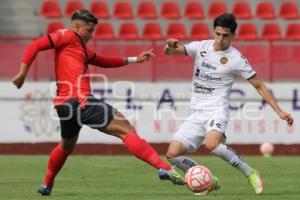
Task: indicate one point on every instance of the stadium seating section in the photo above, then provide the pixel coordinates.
(268, 33)
(163, 13)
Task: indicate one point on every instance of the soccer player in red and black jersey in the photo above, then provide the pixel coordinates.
(75, 104)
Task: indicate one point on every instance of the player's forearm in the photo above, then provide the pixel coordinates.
(112, 61)
(24, 68)
(109, 61)
(174, 51)
(267, 96)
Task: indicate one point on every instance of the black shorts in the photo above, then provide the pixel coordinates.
(96, 114)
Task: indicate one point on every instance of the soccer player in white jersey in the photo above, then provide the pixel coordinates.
(216, 66)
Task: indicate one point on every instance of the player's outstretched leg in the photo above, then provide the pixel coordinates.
(56, 160)
(144, 151)
(120, 127)
(228, 154)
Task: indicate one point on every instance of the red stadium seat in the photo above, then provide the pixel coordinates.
(123, 10)
(50, 9)
(216, 9)
(199, 31)
(293, 32)
(194, 10)
(265, 10)
(242, 10)
(176, 30)
(54, 26)
(128, 31)
(170, 10)
(247, 31)
(104, 31)
(271, 32)
(147, 10)
(99, 9)
(289, 10)
(152, 31)
(71, 6)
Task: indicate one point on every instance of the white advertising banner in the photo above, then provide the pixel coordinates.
(155, 109)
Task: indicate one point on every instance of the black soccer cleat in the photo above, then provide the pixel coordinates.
(44, 190)
(171, 175)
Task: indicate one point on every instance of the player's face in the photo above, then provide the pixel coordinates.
(86, 31)
(223, 38)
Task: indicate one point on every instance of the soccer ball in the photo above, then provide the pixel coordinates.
(198, 178)
(266, 149)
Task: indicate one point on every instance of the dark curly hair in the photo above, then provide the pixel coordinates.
(84, 15)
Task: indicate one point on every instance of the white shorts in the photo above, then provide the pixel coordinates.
(195, 127)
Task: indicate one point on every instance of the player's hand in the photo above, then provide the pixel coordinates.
(287, 117)
(172, 43)
(18, 80)
(145, 56)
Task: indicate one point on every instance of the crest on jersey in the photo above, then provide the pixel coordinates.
(223, 60)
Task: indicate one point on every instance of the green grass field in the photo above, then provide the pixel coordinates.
(125, 177)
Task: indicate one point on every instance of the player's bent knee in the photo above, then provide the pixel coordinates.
(211, 145)
(68, 147)
(174, 154)
(68, 144)
(170, 155)
(119, 126)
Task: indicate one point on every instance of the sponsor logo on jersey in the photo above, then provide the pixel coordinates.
(198, 88)
(207, 77)
(223, 60)
(208, 66)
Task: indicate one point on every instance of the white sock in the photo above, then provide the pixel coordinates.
(183, 162)
(228, 154)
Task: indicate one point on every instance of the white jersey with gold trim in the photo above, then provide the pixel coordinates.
(214, 74)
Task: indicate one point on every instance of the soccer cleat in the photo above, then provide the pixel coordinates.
(171, 175)
(255, 181)
(215, 186)
(44, 190)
